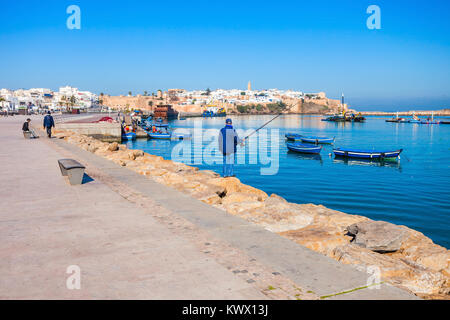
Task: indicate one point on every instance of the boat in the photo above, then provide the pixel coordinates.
(165, 112)
(304, 148)
(162, 131)
(129, 136)
(395, 119)
(317, 140)
(292, 136)
(366, 154)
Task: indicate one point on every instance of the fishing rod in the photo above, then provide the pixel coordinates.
(264, 125)
(261, 127)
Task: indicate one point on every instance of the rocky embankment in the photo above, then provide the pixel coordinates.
(405, 257)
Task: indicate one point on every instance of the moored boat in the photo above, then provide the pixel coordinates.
(317, 140)
(304, 148)
(366, 154)
(292, 136)
(129, 136)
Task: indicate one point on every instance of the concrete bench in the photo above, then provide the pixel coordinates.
(73, 169)
(27, 134)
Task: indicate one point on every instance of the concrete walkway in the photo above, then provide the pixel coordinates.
(135, 239)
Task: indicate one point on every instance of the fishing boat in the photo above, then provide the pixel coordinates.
(163, 132)
(129, 136)
(317, 140)
(430, 121)
(395, 119)
(293, 136)
(366, 154)
(304, 148)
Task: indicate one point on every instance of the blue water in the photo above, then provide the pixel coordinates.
(414, 191)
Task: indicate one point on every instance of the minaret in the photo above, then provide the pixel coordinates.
(249, 86)
(342, 99)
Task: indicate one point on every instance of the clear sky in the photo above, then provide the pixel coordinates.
(304, 45)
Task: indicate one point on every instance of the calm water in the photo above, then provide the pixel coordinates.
(414, 191)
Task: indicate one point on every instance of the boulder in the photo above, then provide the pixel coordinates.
(113, 146)
(378, 236)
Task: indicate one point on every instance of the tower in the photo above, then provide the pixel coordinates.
(249, 86)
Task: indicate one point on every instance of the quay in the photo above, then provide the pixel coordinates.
(134, 238)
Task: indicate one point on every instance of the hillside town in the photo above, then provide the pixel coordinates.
(73, 100)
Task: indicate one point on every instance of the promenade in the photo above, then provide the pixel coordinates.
(133, 238)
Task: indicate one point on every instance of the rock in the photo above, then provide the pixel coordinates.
(113, 146)
(92, 148)
(232, 184)
(318, 238)
(378, 236)
(237, 197)
(402, 273)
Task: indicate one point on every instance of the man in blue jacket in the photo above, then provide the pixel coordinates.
(49, 124)
(228, 140)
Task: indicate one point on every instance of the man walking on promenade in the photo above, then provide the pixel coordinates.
(228, 140)
(26, 128)
(49, 124)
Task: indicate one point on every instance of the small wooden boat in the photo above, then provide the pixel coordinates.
(129, 136)
(293, 136)
(317, 140)
(304, 148)
(159, 135)
(366, 154)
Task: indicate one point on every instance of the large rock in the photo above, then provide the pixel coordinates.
(378, 236)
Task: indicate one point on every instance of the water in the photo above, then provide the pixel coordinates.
(414, 191)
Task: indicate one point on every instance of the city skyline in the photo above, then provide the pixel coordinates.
(312, 47)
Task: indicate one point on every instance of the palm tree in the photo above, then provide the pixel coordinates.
(145, 93)
(129, 93)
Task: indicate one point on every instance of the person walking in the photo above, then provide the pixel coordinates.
(228, 140)
(49, 123)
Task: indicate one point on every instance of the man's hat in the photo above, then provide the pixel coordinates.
(228, 121)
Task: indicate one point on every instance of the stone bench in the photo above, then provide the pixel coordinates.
(73, 169)
(27, 134)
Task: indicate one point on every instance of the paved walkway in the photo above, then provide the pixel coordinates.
(135, 239)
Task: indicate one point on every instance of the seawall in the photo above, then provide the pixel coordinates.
(405, 257)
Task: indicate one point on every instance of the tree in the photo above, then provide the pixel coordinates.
(242, 93)
(145, 93)
(208, 91)
(129, 93)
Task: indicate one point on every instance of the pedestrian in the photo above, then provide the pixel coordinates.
(228, 140)
(49, 123)
(26, 128)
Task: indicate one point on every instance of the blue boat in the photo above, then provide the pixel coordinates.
(129, 136)
(317, 140)
(304, 148)
(366, 154)
(293, 136)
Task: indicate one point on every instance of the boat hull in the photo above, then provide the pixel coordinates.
(129, 136)
(293, 136)
(362, 154)
(317, 140)
(301, 148)
(159, 136)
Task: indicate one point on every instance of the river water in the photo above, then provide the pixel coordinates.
(414, 191)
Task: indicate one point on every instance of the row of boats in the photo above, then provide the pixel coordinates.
(312, 145)
(161, 131)
(415, 119)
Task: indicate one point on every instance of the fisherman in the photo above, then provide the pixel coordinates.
(228, 140)
(26, 128)
(49, 123)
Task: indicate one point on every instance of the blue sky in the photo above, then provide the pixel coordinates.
(305, 45)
